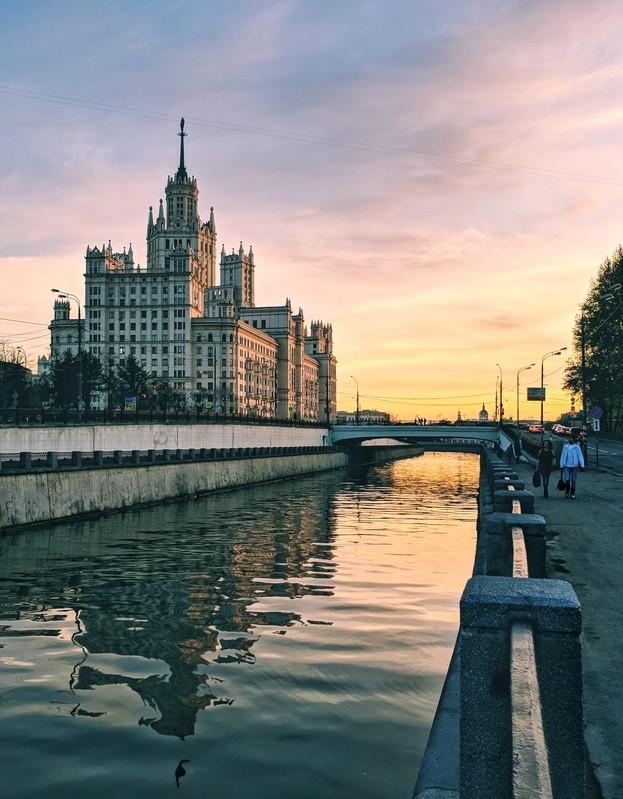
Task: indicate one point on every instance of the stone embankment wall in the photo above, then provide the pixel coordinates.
(53, 474)
(509, 719)
(45, 496)
(109, 437)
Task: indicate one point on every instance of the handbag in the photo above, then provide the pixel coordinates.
(536, 478)
(560, 485)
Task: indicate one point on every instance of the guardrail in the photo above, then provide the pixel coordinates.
(26, 462)
(514, 687)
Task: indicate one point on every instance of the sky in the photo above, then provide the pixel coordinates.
(438, 180)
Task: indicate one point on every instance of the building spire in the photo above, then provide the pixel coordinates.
(181, 171)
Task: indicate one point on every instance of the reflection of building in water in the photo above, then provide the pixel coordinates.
(183, 592)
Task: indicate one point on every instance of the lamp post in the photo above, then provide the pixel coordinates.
(357, 411)
(66, 295)
(543, 359)
(523, 368)
(501, 402)
(497, 383)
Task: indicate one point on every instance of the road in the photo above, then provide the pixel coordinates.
(607, 455)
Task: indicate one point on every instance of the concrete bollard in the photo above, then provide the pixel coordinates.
(489, 606)
(151, 455)
(51, 460)
(499, 542)
(76, 458)
(98, 457)
(166, 455)
(117, 457)
(507, 475)
(503, 501)
(503, 485)
(25, 460)
(136, 456)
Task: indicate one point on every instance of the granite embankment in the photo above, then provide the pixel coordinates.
(41, 491)
(46, 496)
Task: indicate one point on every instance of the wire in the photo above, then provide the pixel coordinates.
(313, 139)
(24, 322)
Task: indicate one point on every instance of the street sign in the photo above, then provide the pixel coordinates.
(597, 412)
(596, 425)
(536, 394)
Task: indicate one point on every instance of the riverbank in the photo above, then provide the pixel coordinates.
(43, 497)
(35, 496)
(585, 548)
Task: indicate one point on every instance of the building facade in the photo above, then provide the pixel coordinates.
(199, 330)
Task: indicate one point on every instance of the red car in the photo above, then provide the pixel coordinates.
(536, 428)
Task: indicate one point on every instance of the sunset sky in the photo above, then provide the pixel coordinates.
(439, 180)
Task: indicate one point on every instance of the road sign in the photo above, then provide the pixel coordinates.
(596, 425)
(597, 412)
(536, 394)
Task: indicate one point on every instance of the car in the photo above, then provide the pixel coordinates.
(536, 428)
(561, 430)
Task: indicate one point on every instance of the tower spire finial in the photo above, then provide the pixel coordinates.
(181, 171)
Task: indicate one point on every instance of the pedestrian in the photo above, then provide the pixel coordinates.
(518, 447)
(571, 459)
(545, 465)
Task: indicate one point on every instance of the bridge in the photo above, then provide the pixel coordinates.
(475, 433)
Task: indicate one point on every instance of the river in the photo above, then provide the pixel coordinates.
(286, 641)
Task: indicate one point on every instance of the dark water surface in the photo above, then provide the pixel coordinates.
(288, 640)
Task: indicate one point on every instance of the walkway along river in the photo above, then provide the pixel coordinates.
(285, 640)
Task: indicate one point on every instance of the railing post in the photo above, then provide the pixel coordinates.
(497, 529)
(488, 607)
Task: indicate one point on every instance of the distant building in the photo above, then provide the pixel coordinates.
(365, 417)
(208, 339)
(483, 415)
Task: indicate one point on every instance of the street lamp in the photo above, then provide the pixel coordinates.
(543, 359)
(523, 368)
(501, 402)
(66, 295)
(357, 412)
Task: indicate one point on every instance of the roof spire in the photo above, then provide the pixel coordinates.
(181, 170)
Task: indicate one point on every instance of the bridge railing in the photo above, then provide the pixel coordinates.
(515, 680)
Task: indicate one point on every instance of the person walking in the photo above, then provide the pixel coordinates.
(571, 459)
(519, 448)
(545, 465)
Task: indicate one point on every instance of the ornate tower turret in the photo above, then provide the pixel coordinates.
(178, 230)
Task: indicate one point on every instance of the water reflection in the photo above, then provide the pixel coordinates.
(284, 640)
(180, 596)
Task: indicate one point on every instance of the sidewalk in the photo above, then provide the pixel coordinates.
(585, 547)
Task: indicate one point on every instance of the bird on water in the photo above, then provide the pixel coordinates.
(180, 771)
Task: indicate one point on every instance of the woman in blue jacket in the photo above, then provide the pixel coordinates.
(571, 459)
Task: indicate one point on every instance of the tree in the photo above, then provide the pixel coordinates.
(133, 379)
(598, 330)
(14, 385)
(64, 375)
(162, 393)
